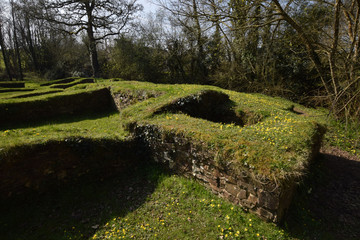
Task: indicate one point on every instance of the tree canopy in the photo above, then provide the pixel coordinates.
(307, 51)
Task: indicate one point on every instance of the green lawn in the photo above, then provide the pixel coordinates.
(147, 204)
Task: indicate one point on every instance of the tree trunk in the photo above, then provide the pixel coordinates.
(4, 53)
(16, 43)
(200, 44)
(31, 44)
(307, 42)
(92, 41)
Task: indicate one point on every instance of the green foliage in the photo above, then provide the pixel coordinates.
(135, 61)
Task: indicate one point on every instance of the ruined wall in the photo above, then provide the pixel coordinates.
(96, 101)
(34, 167)
(42, 166)
(267, 199)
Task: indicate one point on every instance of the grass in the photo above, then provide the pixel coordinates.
(151, 204)
(345, 137)
(278, 146)
(145, 205)
(102, 126)
(278, 143)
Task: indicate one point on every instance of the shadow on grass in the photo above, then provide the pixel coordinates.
(58, 120)
(327, 205)
(77, 210)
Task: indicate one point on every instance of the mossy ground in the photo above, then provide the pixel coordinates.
(275, 143)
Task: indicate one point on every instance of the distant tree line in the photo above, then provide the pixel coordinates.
(307, 51)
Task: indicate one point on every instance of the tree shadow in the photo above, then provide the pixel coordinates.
(77, 209)
(58, 120)
(327, 204)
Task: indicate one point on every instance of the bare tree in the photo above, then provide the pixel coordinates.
(98, 18)
(2, 43)
(16, 41)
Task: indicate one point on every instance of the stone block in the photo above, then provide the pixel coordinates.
(215, 188)
(265, 214)
(268, 200)
(241, 194)
(252, 199)
(232, 189)
(250, 202)
(231, 180)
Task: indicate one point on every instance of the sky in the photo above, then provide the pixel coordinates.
(148, 5)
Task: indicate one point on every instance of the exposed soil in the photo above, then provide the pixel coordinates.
(334, 194)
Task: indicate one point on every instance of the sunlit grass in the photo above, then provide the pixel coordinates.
(182, 209)
(101, 127)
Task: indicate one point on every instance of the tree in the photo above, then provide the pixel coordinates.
(335, 55)
(2, 44)
(98, 18)
(16, 41)
(186, 14)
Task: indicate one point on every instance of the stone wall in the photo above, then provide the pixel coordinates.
(83, 103)
(125, 99)
(267, 199)
(12, 84)
(42, 166)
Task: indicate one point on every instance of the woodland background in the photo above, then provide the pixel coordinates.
(306, 51)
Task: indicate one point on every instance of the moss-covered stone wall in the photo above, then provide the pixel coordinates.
(267, 198)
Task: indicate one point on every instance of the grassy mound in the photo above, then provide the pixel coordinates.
(249, 132)
(268, 137)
